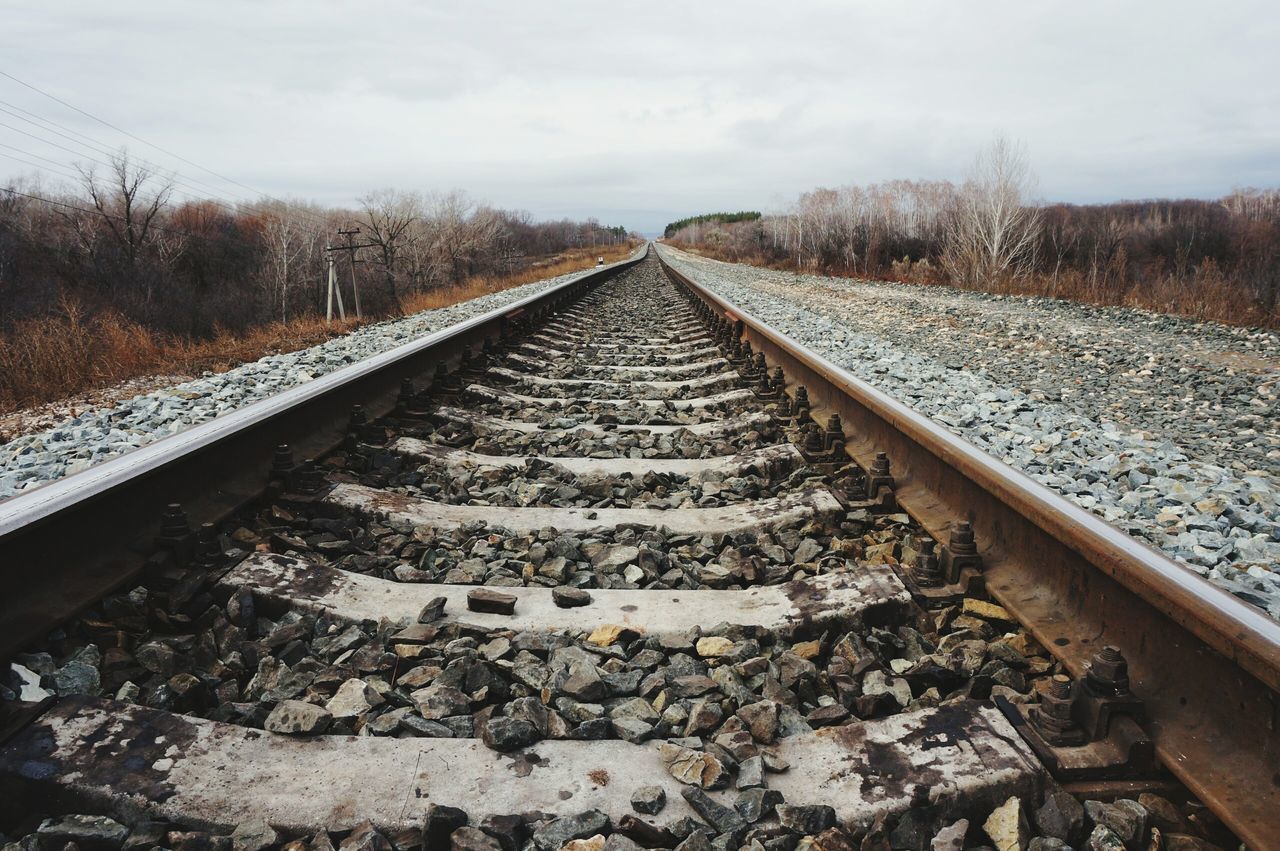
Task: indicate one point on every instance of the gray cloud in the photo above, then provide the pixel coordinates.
(639, 113)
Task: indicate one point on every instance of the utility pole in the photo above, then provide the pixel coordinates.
(355, 290)
(333, 282)
(333, 288)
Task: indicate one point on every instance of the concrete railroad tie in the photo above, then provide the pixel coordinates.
(729, 397)
(833, 599)
(423, 513)
(219, 775)
(706, 382)
(768, 460)
(482, 424)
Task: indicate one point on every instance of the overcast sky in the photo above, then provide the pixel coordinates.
(641, 113)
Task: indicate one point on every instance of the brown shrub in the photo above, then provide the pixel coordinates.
(1202, 292)
(71, 352)
(560, 264)
(68, 352)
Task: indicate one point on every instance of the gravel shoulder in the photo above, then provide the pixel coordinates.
(1167, 428)
(75, 434)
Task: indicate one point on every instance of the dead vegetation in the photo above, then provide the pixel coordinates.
(550, 267)
(72, 350)
(1203, 292)
(1206, 259)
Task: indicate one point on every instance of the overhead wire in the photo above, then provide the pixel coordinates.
(97, 147)
(193, 194)
(66, 174)
(138, 138)
(101, 147)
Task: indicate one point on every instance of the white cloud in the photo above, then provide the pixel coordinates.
(638, 113)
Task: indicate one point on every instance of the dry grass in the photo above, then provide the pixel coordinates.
(560, 264)
(42, 360)
(1203, 292)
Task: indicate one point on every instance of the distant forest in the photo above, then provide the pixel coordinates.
(719, 218)
(1217, 259)
(124, 274)
(127, 239)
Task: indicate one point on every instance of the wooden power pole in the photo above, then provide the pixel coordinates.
(334, 287)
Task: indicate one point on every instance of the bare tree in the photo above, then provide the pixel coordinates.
(452, 240)
(287, 242)
(993, 229)
(129, 200)
(389, 215)
(170, 246)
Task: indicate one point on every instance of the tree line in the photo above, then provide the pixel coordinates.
(1217, 259)
(719, 218)
(121, 240)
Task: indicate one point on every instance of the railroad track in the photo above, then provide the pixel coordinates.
(617, 560)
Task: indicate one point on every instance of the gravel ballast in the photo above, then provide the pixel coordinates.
(103, 433)
(1168, 429)
(742, 724)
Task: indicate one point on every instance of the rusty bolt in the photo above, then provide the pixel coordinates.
(1108, 672)
(173, 523)
(282, 459)
(880, 466)
(784, 405)
(925, 570)
(880, 479)
(758, 363)
(310, 477)
(962, 541)
(1053, 716)
(208, 548)
(406, 390)
(359, 419)
(813, 442)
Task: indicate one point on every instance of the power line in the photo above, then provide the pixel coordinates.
(82, 154)
(192, 195)
(36, 166)
(39, 121)
(135, 137)
(98, 147)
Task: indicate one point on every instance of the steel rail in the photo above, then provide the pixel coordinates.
(1206, 664)
(65, 544)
